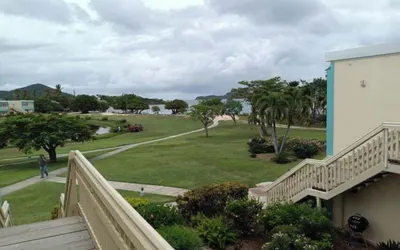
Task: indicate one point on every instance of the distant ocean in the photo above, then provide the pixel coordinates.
(246, 107)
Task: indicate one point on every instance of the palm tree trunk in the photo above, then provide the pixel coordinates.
(275, 138)
(284, 138)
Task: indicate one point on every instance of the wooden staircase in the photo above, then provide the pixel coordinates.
(60, 234)
(92, 215)
(368, 160)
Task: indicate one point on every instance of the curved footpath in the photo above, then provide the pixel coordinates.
(118, 185)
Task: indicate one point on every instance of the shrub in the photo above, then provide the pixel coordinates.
(160, 215)
(3, 144)
(285, 241)
(123, 121)
(290, 230)
(210, 200)
(54, 213)
(181, 238)
(88, 118)
(136, 202)
(260, 146)
(195, 220)
(105, 118)
(243, 214)
(281, 158)
(216, 232)
(310, 221)
(390, 244)
(305, 148)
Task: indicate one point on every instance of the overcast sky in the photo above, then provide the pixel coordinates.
(180, 48)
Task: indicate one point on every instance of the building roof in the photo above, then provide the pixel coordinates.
(376, 50)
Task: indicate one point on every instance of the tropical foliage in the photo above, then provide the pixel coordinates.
(275, 101)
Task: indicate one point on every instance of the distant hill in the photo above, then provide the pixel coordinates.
(208, 97)
(32, 90)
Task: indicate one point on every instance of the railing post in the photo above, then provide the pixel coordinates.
(385, 147)
(318, 202)
(71, 199)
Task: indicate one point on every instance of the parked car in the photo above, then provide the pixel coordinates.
(135, 128)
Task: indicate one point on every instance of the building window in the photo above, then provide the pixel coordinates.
(25, 104)
(4, 104)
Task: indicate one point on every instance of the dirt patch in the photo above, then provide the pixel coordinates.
(265, 157)
(249, 243)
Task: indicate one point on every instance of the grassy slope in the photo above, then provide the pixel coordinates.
(36, 202)
(154, 127)
(194, 160)
(10, 174)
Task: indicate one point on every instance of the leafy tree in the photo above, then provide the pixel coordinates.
(155, 109)
(232, 108)
(137, 105)
(33, 132)
(317, 90)
(103, 106)
(177, 106)
(45, 105)
(205, 114)
(252, 92)
(213, 102)
(86, 103)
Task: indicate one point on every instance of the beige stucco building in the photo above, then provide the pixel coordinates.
(364, 92)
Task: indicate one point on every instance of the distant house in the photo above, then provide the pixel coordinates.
(21, 106)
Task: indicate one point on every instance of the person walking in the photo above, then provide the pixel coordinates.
(43, 166)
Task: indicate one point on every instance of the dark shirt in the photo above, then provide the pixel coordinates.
(42, 161)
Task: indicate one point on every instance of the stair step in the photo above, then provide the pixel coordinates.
(66, 233)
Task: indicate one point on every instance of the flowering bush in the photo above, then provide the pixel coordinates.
(210, 200)
(260, 146)
(285, 241)
(305, 148)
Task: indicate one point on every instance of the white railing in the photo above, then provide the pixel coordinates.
(112, 222)
(5, 215)
(372, 150)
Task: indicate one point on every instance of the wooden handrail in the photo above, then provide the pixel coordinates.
(112, 222)
(5, 215)
(370, 150)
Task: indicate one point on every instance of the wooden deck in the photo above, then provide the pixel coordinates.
(60, 234)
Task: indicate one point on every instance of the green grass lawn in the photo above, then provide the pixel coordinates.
(154, 127)
(194, 160)
(35, 203)
(10, 174)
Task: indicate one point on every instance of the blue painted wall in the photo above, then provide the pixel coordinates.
(330, 109)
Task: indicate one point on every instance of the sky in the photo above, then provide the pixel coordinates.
(181, 48)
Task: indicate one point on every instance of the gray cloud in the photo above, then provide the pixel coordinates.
(286, 12)
(7, 46)
(50, 10)
(124, 46)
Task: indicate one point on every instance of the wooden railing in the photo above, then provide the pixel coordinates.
(112, 222)
(371, 151)
(5, 215)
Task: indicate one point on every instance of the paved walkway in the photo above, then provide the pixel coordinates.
(150, 189)
(23, 184)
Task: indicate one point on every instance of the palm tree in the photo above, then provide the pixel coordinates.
(298, 106)
(17, 94)
(272, 108)
(58, 88)
(288, 104)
